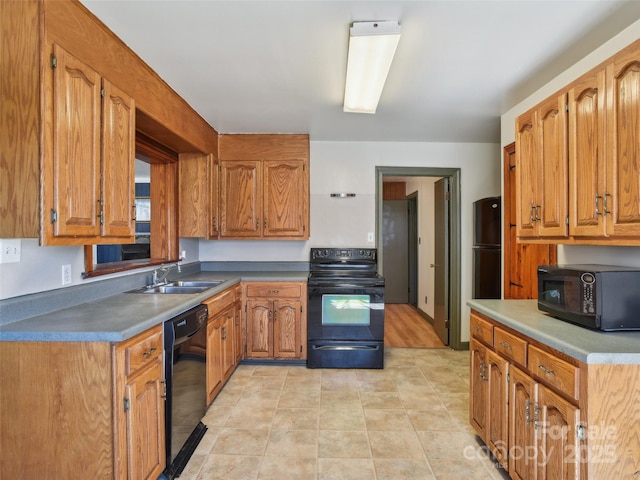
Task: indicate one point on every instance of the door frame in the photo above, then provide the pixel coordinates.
(455, 294)
(412, 220)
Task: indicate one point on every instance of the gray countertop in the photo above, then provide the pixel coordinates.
(586, 345)
(124, 315)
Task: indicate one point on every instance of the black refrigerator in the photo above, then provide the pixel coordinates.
(487, 244)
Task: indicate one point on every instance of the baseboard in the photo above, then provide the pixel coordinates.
(426, 316)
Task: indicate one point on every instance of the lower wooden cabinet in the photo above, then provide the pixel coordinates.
(276, 320)
(94, 409)
(224, 336)
(545, 415)
(140, 406)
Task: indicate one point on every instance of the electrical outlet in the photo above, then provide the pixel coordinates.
(370, 237)
(66, 274)
(10, 250)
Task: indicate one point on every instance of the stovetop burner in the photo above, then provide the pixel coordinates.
(344, 266)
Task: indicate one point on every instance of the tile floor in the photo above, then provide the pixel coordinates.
(407, 421)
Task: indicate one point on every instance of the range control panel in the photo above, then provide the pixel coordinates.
(339, 254)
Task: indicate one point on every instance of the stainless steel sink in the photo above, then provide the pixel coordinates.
(185, 283)
(179, 287)
(172, 289)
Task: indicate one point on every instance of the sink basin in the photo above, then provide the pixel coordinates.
(172, 289)
(179, 286)
(185, 283)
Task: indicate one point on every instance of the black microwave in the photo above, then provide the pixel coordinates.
(601, 297)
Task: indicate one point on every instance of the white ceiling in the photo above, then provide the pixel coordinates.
(276, 66)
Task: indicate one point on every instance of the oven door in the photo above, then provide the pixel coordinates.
(345, 313)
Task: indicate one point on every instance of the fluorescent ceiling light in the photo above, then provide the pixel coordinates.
(371, 49)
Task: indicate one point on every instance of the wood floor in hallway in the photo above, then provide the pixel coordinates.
(405, 327)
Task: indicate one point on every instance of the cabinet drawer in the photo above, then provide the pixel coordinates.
(142, 350)
(222, 300)
(481, 329)
(510, 346)
(554, 371)
(274, 290)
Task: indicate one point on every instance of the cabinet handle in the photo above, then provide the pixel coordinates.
(605, 208)
(274, 292)
(224, 333)
(149, 352)
(257, 224)
(215, 223)
(598, 197)
(133, 207)
(527, 414)
(101, 212)
(532, 215)
(537, 213)
(546, 370)
(506, 345)
(477, 329)
(265, 223)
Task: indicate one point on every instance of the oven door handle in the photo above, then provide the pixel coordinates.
(345, 347)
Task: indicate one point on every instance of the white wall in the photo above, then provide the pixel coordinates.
(628, 256)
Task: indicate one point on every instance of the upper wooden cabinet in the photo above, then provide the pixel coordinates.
(541, 163)
(264, 186)
(198, 193)
(601, 140)
(58, 135)
(587, 154)
(88, 188)
(623, 153)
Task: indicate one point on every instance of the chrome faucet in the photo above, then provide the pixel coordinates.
(159, 275)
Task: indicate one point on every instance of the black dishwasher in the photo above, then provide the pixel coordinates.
(185, 346)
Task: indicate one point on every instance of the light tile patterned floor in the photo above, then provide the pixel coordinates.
(407, 421)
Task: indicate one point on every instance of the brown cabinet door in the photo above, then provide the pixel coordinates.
(478, 394)
(558, 447)
(523, 393)
(193, 192)
(587, 168)
(118, 159)
(227, 342)
(551, 189)
(286, 329)
(237, 332)
(145, 423)
(285, 198)
(526, 174)
(496, 431)
(623, 131)
(240, 199)
(214, 197)
(75, 168)
(214, 374)
(259, 328)
(521, 260)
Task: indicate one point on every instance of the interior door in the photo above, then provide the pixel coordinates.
(441, 265)
(395, 262)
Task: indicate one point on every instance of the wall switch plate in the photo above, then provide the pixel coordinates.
(10, 250)
(66, 274)
(370, 237)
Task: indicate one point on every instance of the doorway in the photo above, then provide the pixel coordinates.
(453, 276)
